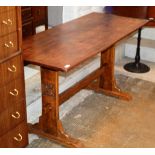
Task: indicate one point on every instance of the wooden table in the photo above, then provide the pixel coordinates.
(64, 47)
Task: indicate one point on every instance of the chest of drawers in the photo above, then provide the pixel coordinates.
(13, 126)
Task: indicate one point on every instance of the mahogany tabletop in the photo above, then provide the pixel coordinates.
(67, 45)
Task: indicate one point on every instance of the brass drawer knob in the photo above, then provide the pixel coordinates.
(14, 92)
(18, 138)
(10, 44)
(12, 69)
(16, 115)
(7, 22)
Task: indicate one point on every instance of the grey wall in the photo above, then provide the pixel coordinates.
(55, 15)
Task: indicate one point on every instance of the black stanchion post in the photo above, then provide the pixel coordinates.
(137, 66)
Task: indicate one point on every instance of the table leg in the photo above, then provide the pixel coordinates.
(107, 82)
(49, 125)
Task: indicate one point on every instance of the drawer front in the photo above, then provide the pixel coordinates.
(15, 92)
(8, 22)
(39, 12)
(27, 29)
(11, 117)
(26, 13)
(6, 8)
(12, 93)
(11, 69)
(8, 45)
(16, 138)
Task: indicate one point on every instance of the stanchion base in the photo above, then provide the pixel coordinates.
(136, 67)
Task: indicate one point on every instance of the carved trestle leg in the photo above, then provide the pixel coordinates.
(49, 125)
(107, 82)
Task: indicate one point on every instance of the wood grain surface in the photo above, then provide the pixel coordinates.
(67, 45)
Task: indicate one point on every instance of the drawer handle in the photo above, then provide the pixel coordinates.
(38, 12)
(14, 93)
(19, 138)
(5, 22)
(9, 45)
(8, 22)
(13, 69)
(16, 115)
(6, 45)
